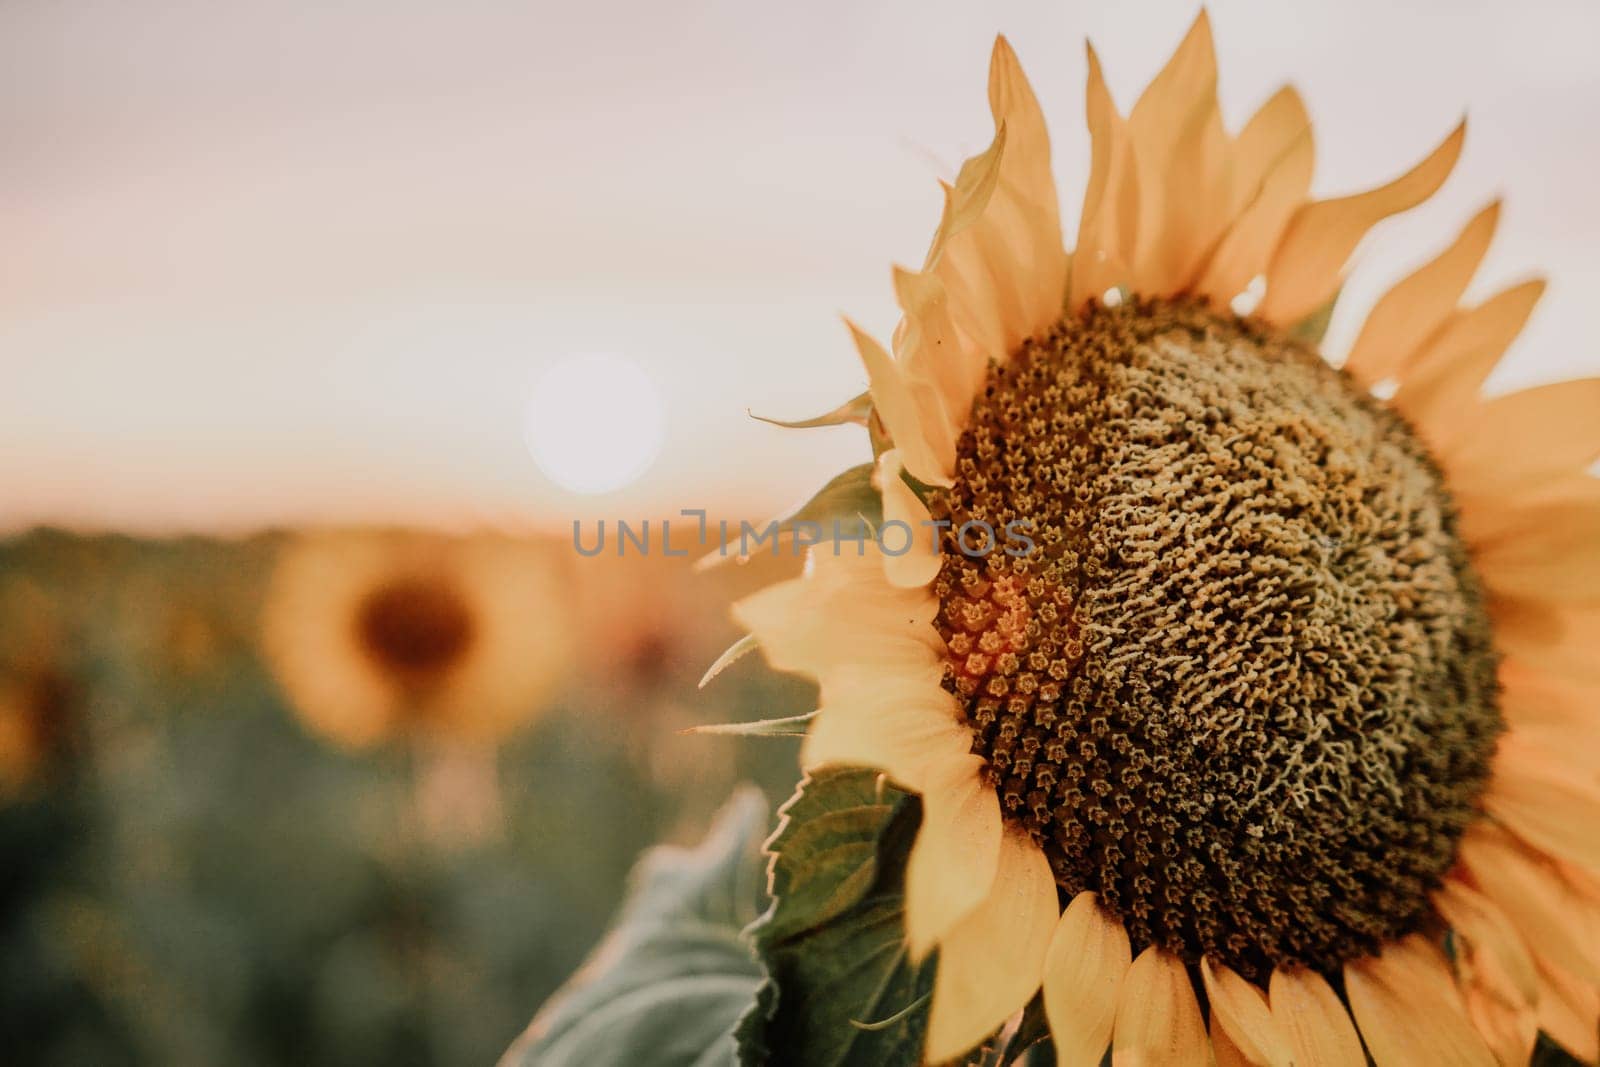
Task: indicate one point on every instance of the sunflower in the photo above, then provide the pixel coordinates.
(1265, 731)
(644, 621)
(40, 713)
(36, 724)
(380, 635)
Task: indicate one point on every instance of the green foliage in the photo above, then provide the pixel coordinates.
(675, 978)
(848, 499)
(842, 989)
(671, 980)
(848, 508)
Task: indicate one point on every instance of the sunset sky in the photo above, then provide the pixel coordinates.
(277, 262)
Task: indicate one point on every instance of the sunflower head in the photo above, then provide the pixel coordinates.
(1261, 691)
(1246, 591)
(378, 635)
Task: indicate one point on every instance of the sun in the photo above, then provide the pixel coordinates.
(594, 423)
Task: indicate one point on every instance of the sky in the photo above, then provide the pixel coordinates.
(279, 262)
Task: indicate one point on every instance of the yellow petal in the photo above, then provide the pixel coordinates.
(1170, 96)
(1548, 555)
(1307, 265)
(1276, 128)
(1485, 930)
(1405, 1001)
(1510, 1029)
(1586, 884)
(841, 612)
(956, 853)
(917, 432)
(991, 962)
(1106, 231)
(1195, 207)
(1505, 513)
(1440, 391)
(1028, 190)
(904, 726)
(1556, 922)
(1316, 1025)
(1224, 1053)
(1525, 684)
(930, 348)
(998, 250)
(1158, 1017)
(1499, 982)
(909, 542)
(1550, 711)
(1273, 161)
(1409, 313)
(1556, 640)
(1243, 1013)
(1083, 973)
(980, 293)
(1247, 247)
(1544, 802)
(1424, 968)
(1533, 435)
(1569, 1011)
(1182, 156)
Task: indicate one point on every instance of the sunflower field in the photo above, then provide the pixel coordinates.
(192, 873)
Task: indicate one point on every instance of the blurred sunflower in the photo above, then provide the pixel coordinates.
(37, 726)
(40, 716)
(644, 621)
(1289, 710)
(375, 636)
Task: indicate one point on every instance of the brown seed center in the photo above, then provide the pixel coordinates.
(1242, 686)
(417, 628)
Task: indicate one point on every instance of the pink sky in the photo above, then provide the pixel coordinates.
(270, 262)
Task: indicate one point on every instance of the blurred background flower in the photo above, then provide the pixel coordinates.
(39, 714)
(377, 635)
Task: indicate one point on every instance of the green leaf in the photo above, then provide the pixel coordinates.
(854, 411)
(848, 500)
(825, 851)
(671, 981)
(843, 989)
(792, 726)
